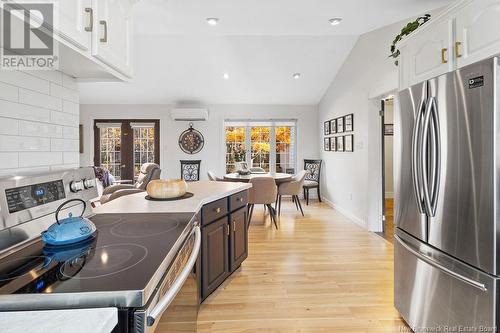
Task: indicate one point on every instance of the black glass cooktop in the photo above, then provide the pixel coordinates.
(127, 253)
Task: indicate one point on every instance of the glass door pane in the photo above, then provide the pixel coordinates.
(144, 147)
(110, 150)
(285, 159)
(260, 147)
(235, 147)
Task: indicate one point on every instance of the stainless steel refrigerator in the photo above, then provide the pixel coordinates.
(447, 171)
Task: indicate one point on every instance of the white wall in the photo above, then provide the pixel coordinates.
(213, 153)
(39, 116)
(352, 181)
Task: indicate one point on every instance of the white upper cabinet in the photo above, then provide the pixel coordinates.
(75, 22)
(428, 54)
(478, 31)
(466, 32)
(111, 41)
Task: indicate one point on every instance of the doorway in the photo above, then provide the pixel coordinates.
(122, 145)
(387, 131)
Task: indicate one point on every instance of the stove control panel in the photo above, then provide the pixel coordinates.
(25, 197)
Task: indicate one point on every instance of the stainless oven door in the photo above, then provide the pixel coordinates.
(174, 307)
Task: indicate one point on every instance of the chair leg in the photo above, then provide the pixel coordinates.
(319, 195)
(276, 202)
(295, 199)
(250, 213)
(307, 197)
(279, 205)
(300, 206)
(272, 214)
(304, 189)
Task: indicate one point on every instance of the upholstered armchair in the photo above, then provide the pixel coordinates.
(148, 172)
(292, 188)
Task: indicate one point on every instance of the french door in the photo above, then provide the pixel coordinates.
(123, 145)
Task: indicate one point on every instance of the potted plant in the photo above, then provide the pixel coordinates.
(407, 29)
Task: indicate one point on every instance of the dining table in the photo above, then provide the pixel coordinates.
(278, 177)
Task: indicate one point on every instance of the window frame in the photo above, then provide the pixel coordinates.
(272, 124)
(127, 143)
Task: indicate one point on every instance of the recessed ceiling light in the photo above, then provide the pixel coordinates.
(335, 21)
(296, 76)
(225, 76)
(212, 21)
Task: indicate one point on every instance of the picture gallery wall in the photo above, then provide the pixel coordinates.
(335, 138)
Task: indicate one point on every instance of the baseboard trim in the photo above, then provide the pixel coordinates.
(346, 213)
(389, 195)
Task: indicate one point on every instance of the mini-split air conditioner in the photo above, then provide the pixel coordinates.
(189, 114)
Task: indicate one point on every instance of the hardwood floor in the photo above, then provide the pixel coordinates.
(389, 220)
(318, 273)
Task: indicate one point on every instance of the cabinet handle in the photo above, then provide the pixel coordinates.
(217, 210)
(105, 25)
(458, 49)
(91, 19)
(234, 226)
(227, 229)
(444, 56)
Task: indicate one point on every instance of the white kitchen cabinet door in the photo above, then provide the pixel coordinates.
(478, 31)
(74, 22)
(429, 53)
(112, 34)
(403, 68)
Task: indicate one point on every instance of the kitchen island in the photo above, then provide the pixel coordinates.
(221, 210)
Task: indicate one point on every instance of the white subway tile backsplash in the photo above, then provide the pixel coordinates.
(33, 159)
(64, 167)
(9, 92)
(13, 143)
(40, 100)
(69, 82)
(30, 128)
(39, 117)
(64, 145)
(9, 160)
(22, 111)
(52, 76)
(70, 107)
(71, 157)
(62, 118)
(71, 133)
(9, 126)
(24, 80)
(64, 93)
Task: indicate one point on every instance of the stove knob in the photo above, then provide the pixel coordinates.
(88, 183)
(76, 186)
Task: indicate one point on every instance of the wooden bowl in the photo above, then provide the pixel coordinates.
(166, 188)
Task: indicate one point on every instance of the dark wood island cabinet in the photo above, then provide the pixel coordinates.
(224, 241)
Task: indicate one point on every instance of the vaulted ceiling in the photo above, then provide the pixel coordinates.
(260, 44)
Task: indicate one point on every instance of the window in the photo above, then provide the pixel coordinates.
(235, 147)
(272, 145)
(122, 145)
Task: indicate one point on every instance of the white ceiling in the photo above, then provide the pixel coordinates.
(180, 59)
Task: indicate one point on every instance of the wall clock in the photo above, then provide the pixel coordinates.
(191, 141)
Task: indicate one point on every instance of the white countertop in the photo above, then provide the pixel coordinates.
(101, 320)
(204, 191)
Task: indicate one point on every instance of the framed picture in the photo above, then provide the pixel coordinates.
(348, 143)
(349, 122)
(327, 144)
(327, 127)
(333, 144)
(333, 126)
(340, 125)
(388, 129)
(340, 143)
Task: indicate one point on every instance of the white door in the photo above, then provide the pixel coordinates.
(429, 53)
(478, 27)
(112, 34)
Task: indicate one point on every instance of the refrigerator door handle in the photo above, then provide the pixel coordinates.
(434, 263)
(436, 144)
(416, 164)
(423, 158)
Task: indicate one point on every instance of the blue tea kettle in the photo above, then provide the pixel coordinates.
(69, 230)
